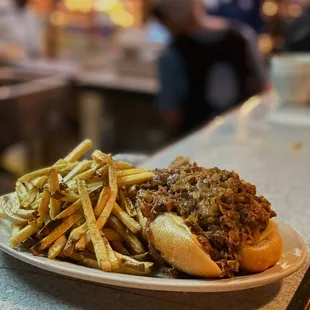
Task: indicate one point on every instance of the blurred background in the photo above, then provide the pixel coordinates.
(75, 69)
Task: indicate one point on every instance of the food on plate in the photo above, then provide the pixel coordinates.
(109, 215)
(79, 211)
(207, 222)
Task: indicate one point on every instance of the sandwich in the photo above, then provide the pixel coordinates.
(207, 222)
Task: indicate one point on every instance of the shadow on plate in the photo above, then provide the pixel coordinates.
(46, 288)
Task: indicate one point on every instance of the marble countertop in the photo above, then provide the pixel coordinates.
(271, 154)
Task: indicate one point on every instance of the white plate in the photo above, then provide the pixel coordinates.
(294, 255)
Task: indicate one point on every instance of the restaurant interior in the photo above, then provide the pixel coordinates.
(93, 74)
(98, 98)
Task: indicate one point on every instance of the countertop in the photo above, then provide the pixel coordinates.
(103, 78)
(113, 80)
(271, 154)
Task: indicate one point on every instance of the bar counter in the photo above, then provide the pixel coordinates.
(268, 145)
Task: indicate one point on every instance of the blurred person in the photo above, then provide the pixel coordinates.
(245, 11)
(20, 30)
(210, 65)
(298, 34)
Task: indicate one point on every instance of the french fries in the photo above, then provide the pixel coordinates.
(30, 198)
(70, 210)
(7, 208)
(132, 240)
(21, 191)
(79, 211)
(77, 204)
(99, 246)
(15, 230)
(43, 207)
(57, 247)
(111, 234)
(127, 180)
(80, 168)
(102, 201)
(23, 234)
(54, 187)
(126, 203)
(134, 266)
(81, 259)
(40, 181)
(86, 174)
(57, 232)
(122, 165)
(119, 247)
(128, 221)
(62, 167)
(79, 151)
(123, 173)
(26, 214)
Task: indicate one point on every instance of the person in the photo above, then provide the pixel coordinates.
(245, 11)
(210, 65)
(20, 30)
(297, 38)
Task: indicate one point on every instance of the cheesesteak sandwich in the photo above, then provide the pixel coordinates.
(207, 222)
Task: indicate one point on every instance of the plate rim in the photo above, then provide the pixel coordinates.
(156, 284)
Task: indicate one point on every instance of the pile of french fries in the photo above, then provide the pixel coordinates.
(79, 210)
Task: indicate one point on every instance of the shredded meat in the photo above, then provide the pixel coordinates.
(220, 208)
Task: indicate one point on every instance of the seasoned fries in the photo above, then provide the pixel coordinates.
(23, 234)
(133, 242)
(57, 247)
(79, 151)
(102, 201)
(63, 168)
(21, 191)
(111, 234)
(8, 212)
(54, 187)
(128, 172)
(70, 210)
(128, 221)
(43, 207)
(122, 165)
(30, 198)
(127, 180)
(99, 246)
(57, 232)
(133, 266)
(119, 247)
(40, 181)
(80, 168)
(126, 203)
(86, 174)
(14, 230)
(79, 211)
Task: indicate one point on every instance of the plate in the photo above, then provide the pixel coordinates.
(293, 256)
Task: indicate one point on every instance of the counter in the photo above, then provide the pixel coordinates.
(274, 155)
(104, 78)
(92, 86)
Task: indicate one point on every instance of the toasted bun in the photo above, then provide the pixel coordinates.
(265, 253)
(180, 248)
